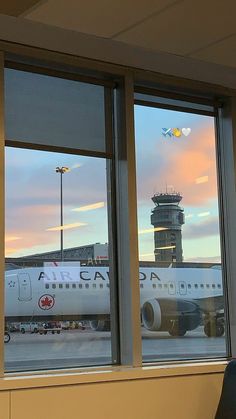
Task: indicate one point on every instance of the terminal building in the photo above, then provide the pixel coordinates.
(91, 252)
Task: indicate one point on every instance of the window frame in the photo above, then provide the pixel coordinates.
(124, 178)
(108, 155)
(222, 111)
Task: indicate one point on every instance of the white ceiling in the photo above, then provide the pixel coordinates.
(200, 29)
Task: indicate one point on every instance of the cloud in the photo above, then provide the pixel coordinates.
(180, 162)
(66, 227)
(89, 207)
(201, 179)
(203, 214)
(33, 199)
(207, 259)
(41, 184)
(209, 227)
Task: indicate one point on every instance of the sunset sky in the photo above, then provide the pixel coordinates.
(186, 165)
(48, 110)
(33, 201)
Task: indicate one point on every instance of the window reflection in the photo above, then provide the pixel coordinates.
(181, 297)
(56, 307)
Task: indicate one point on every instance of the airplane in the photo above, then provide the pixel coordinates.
(176, 300)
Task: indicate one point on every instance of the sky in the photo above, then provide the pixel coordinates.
(187, 165)
(42, 109)
(33, 201)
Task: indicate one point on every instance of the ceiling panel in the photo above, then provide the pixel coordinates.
(223, 52)
(104, 18)
(184, 27)
(16, 7)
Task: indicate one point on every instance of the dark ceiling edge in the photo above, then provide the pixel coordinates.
(18, 8)
(32, 8)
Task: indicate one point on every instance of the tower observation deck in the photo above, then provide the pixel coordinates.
(167, 218)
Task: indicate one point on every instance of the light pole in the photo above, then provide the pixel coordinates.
(61, 170)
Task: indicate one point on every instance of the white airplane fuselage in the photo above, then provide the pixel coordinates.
(84, 291)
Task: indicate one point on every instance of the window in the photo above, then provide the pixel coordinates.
(58, 160)
(178, 223)
(62, 211)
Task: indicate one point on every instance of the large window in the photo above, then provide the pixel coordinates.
(181, 286)
(80, 278)
(58, 207)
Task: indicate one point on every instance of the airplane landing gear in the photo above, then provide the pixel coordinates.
(176, 330)
(214, 328)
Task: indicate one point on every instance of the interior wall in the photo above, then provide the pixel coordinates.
(183, 397)
(4, 404)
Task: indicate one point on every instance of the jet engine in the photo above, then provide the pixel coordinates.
(100, 325)
(173, 315)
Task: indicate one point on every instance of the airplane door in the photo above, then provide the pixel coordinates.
(182, 288)
(24, 287)
(171, 288)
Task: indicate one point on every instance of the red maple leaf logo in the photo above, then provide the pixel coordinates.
(46, 302)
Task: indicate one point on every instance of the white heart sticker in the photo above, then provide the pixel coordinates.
(186, 131)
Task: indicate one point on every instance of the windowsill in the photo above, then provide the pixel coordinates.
(109, 374)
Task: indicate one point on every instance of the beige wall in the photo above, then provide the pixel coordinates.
(186, 397)
(4, 405)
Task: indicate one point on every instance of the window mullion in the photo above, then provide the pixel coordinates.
(2, 215)
(128, 267)
(227, 144)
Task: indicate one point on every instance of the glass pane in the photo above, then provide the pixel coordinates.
(47, 110)
(173, 102)
(57, 270)
(179, 240)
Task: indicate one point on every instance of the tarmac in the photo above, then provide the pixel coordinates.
(75, 348)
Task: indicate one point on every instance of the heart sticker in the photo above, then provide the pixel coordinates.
(186, 131)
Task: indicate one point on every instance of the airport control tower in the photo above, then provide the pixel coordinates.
(167, 218)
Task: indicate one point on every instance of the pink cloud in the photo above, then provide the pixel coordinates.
(30, 223)
(180, 162)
